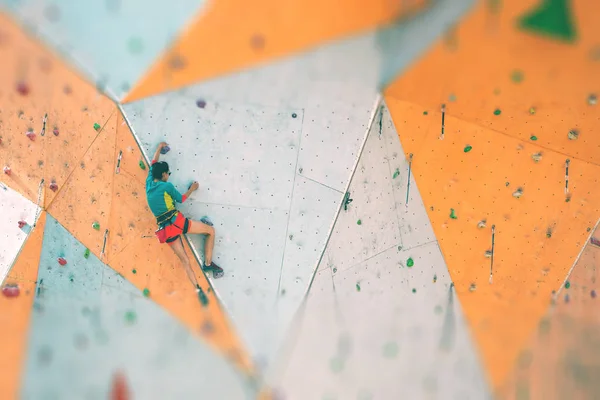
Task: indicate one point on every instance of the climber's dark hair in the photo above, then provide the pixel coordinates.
(158, 169)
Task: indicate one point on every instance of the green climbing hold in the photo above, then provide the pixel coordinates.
(134, 271)
(130, 317)
(497, 111)
(396, 173)
(135, 45)
(533, 137)
(96, 226)
(434, 278)
(146, 292)
(553, 18)
(567, 284)
(142, 165)
(532, 110)
(359, 222)
(390, 350)
(336, 364)
(358, 286)
(516, 76)
(410, 262)
(425, 113)
(97, 127)
(452, 214)
(414, 290)
(468, 148)
(87, 253)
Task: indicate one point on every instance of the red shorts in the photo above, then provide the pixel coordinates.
(173, 231)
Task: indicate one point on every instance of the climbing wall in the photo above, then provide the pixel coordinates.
(88, 322)
(382, 318)
(16, 301)
(117, 41)
(273, 167)
(18, 215)
(561, 358)
(516, 129)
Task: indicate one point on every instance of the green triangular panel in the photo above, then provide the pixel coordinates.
(553, 18)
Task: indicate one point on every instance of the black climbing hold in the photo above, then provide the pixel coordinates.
(200, 103)
(294, 115)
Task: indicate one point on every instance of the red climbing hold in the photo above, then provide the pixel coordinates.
(11, 291)
(62, 261)
(7, 170)
(22, 88)
(30, 135)
(53, 186)
(22, 224)
(55, 131)
(119, 388)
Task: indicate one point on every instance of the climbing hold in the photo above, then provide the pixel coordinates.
(518, 193)
(96, 226)
(410, 262)
(257, 42)
(497, 111)
(22, 88)
(71, 277)
(396, 173)
(573, 134)
(87, 253)
(552, 18)
(592, 100)
(549, 233)
(146, 292)
(531, 110)
(200, 103)
(467, 148)
(62, 261)
(453, 214)
(533, 137)
(294, 115)
(119, 389)
(134, 271)
(473, 287)
(516, 76)
(452, 97)
(567, 298)
(55, 131)
(165, 150)
(7, 170)
(30, 134)
(488, 254)
(142, 165)
(130, 317)
(22, 224)
(536, 157)
(481, 224)
(53, 186)
(11, 290)
(414, 290)
(359, 222)
(358, 286)
(567, 284)
(434, 278)
(207, 328)
(593, 294)
(206, 220)
(594, 241)
(425, 113)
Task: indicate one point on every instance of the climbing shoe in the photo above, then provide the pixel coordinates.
(216, 270)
